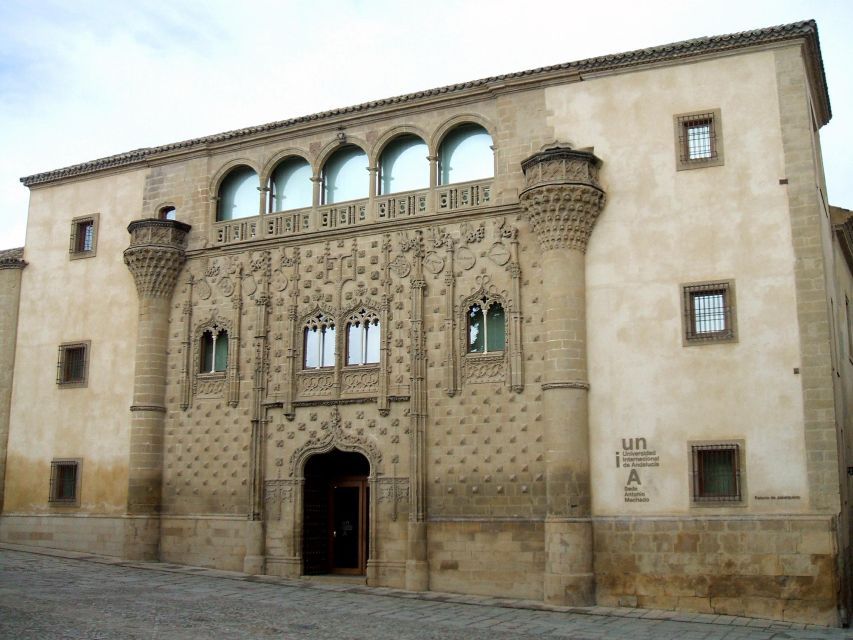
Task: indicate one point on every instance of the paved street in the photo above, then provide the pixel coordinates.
(44, 597)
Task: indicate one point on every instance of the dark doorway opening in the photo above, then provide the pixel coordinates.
(335, 517)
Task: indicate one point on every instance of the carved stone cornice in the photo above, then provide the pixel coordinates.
(562, 197)
(12, 258)
(842, 224)
(156, 253)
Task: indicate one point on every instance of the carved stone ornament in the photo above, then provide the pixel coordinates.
(400, 266)
(155, 255)
(333, 435)
(394, 491)
(276, 493)
(465, 258)
(562, 198)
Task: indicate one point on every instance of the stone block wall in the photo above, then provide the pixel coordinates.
(204, 541)
(495, 558)
(775, 568)
(88, 534)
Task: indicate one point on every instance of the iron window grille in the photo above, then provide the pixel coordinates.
(84, 236)
(716, 473)
(709, 313)
(72, 368)
(699, 139)
(64, 482)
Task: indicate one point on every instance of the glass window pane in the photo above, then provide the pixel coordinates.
(67, 482)
(221, 356)
(328, 347)
(404, 165)
(345, 176)
(291, 185)
(206, 352)
(709, 312)
(699, 140)
(354, 343)
(466, 154)
(372, 354)
(238, 195)
(495, 328)
(475, 330)
(312, 348)
(718, 473)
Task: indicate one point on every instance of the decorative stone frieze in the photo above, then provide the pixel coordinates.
(562, 197)
(156, 254)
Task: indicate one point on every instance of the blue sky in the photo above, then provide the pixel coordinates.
(88, 79)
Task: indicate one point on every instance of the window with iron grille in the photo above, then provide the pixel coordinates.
(709, 312)
(65, 482)
(698, 139)
(84, 236)
(72, 368)
(716, 472)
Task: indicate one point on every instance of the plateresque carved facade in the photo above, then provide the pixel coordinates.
(579, 334)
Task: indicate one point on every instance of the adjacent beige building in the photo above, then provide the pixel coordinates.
(580, 334)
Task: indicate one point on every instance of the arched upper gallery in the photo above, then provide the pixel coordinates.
(345, 175)
(465, 154)
(404, 165)
(290, 185)
(238, 194)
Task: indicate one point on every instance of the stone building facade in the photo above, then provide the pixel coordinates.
(579, 334)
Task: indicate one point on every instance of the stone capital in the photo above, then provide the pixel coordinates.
(156, 253)
(562, 198)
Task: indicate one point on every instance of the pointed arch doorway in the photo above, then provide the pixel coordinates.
(335, 520)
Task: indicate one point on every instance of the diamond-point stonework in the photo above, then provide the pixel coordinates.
(562, 198)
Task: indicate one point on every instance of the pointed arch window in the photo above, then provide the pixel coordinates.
(319, 342)
(404, 165)
(345, 176)
(214, 351)
(466, 154)
(486, 327)
(238, 195)
(363, 333)
(290, 186)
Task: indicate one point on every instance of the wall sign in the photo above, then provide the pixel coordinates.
(634, 460)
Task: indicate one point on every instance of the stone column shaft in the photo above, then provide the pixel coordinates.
(155, 257)
(11, 266)
(562, 201)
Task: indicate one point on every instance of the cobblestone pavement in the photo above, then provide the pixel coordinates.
(77, 596)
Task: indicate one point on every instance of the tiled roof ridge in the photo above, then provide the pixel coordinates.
(685, 48)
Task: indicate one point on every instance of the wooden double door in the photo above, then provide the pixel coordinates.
(336, 523)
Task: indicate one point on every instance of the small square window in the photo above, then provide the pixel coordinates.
(65, 482)
(72, 367)
(699, 140)
(709, 312)
(716, 473)
(84, 236)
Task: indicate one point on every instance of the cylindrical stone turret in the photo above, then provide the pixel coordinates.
(155, 257)
(11, 265)
(562, 200)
